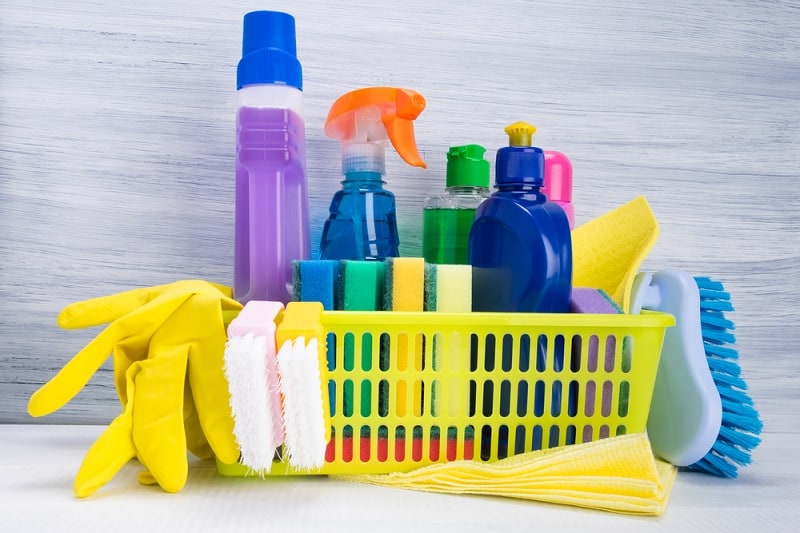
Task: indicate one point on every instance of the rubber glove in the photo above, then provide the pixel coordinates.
(155, 334)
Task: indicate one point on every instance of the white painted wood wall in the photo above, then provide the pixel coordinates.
(117, 145)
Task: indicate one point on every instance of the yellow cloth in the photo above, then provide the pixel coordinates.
(608, 251)
(168, 344)
(618, 474)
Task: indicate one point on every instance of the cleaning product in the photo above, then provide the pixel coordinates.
(316, 281)
(741, 425)
(271, 221)
(520, 245)
(520, 249)
(690, 423)
(608, 250)
(448, 218)
(252, 374)
(361, 285)
(448, 288)
(558, 182)
(363, 222)
(304, 386)
(617, 474)
(168, 343)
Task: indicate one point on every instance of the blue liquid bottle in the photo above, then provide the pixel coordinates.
(520, 248)
(520, 244)
(362, 222)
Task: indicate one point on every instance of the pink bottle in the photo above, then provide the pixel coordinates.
(558, 182)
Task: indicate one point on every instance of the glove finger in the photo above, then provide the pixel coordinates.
(73, 376)
(134, 330)
(198, 325)
(158, 432)
(196, 441)
(110, 452)
(146, 478)
(106, 309)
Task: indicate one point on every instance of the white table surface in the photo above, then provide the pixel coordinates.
(38, 464)
(116, 171)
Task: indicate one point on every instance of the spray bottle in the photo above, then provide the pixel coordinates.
(363, 221)
(520, 244)
(447, 218)
(271, 221)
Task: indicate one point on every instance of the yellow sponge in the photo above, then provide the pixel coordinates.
(608, 251)
(448, 288)
(405, 284)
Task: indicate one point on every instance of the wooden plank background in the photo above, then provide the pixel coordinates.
(117, 145)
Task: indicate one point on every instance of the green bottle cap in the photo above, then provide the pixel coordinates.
(466, 166)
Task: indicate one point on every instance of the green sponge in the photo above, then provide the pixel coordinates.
(361, 285)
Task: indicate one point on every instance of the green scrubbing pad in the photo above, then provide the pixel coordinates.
(361, 286)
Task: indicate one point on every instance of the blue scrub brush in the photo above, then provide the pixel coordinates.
(701, 416)
(741, 425)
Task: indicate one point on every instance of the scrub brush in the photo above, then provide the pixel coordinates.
(741, 425)
(700, 415)
(303, 375)
(251, 370)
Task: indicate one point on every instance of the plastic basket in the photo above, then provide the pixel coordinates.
(411, 389)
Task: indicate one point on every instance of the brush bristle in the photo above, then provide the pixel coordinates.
(251, 401)
(303, 412)
(741, 425)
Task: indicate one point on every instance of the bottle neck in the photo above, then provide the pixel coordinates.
(363, 180)
(525, 191)
(467, 189)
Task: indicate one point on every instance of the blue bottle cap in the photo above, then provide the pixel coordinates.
(269, 51)
(519, 165)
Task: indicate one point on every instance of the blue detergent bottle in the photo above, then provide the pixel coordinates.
(520, 248)
(520, 245)
(363, 223)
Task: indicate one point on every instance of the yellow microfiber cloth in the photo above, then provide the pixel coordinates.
(608, 251)
(618, 474)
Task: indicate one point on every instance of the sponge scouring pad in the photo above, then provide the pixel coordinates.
(448, 288)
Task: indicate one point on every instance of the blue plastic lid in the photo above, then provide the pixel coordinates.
(519, 165)
(269, 51)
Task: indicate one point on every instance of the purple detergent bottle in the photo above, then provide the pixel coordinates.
(271, 193)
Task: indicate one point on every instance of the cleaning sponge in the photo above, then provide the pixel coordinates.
(448, 288)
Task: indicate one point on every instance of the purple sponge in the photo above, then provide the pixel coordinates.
(594, 301)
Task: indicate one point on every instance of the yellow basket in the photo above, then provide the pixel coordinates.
(408, 389)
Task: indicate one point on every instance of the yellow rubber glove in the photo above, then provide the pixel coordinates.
(154, 332)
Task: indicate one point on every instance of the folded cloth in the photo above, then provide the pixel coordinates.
(608, 251)
(617, 474)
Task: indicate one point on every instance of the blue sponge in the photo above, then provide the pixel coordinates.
(315, 281)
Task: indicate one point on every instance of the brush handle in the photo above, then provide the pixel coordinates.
(686, 410)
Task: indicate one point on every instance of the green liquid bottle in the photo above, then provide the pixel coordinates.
(447, 218)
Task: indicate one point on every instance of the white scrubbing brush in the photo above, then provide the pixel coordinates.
(251, 370)
(304, 385)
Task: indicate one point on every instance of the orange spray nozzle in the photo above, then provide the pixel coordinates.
(374, 114)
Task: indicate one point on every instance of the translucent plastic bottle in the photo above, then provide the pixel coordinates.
(520, 244)
(271, 220)
(447, 218)
(363, 221)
